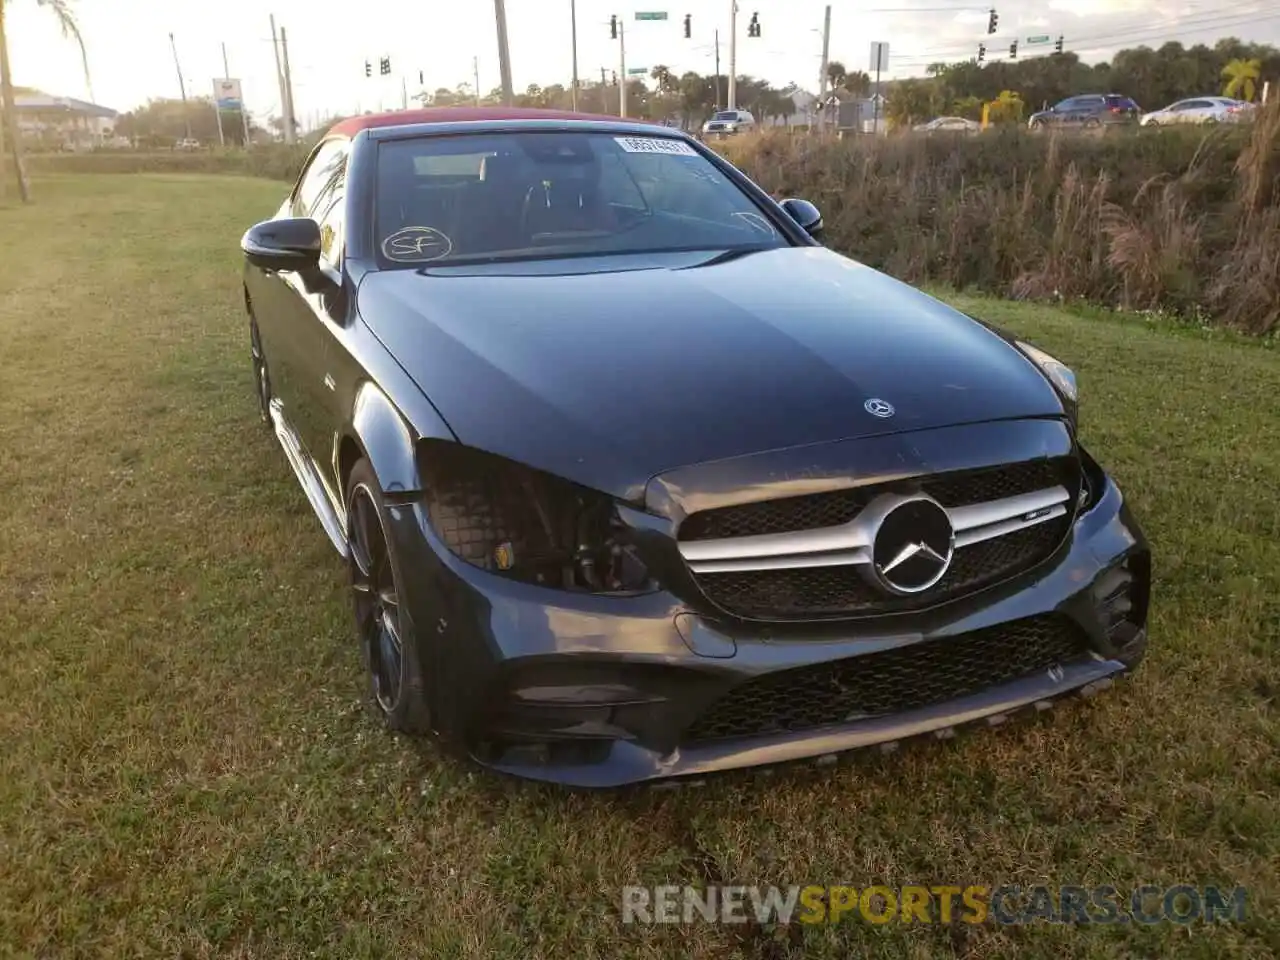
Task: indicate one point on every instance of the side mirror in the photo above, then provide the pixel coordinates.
(291, 244)
(806, 214)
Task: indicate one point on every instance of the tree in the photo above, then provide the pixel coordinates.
(858, 83)
(911, 101)
(836, 74)
(61, 10)
(1242, 78)
(1007, 107)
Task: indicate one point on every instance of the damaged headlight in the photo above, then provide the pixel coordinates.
(1058, 373)
(526, 524)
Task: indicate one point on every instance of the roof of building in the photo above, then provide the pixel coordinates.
(45, 101)
(353, 125)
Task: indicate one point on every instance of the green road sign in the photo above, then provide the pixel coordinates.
(652, 15)
(1044, 39)
(637, 71)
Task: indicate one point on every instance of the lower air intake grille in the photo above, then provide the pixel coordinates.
(892, 681)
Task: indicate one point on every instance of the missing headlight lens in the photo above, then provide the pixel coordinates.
(522, 523)
(1059, 374)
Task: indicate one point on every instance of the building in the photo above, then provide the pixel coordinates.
(860, 115)
(63, 122)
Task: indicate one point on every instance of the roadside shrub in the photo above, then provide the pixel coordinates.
(1177, 219)
(273, 161)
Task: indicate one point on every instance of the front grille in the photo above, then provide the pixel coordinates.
(814, 510)
(891, 681)
(808, 592)
(842, 591)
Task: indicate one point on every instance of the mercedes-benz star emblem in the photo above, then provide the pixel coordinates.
(913, 546)
(879, 408)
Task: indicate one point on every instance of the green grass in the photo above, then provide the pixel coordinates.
(187, 766)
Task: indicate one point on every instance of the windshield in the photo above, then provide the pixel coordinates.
(726, 115)
(509, 196)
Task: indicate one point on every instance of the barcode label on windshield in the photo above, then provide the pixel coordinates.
(676, 148)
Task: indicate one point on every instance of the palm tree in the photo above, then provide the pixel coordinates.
(61, 10)
(1242, 78)
(836, 74)
(858, 83)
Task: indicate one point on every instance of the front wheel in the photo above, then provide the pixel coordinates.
(383, 627)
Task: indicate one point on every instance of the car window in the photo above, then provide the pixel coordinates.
(1198, 105)
(329, 162)
(514, 195)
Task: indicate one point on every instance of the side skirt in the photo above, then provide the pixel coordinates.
(309, 479)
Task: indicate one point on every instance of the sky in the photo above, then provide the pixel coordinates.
(131, 59)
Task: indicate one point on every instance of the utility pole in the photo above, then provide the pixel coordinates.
(822, 75)
(717, 69)
(288, 89)
(475, 70)
(733, 54)
(182, 87)
(504, 55)
(573, 19)
(622, 67)
(275, 47)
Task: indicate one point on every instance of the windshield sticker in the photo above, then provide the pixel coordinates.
(416, 245)
(675, 148)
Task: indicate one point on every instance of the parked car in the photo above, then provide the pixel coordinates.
(188, 143)
(1088, 111)
(725, 123)
(635, 479)
(948, 125)
(1199, 110)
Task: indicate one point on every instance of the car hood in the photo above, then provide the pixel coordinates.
(611, 370)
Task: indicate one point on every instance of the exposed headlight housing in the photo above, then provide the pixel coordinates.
(1057, 373)
(526, 524)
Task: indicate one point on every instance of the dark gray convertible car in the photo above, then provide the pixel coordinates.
(635, 479)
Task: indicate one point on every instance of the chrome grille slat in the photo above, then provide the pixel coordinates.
(850, 543)
(1005, 520)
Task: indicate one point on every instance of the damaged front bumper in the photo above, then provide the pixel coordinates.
(600, 691)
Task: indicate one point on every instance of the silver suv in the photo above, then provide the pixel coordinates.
(726, 122)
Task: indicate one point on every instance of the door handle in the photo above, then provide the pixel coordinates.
(328, 381)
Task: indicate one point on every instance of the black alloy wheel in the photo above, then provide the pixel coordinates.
(382, 626)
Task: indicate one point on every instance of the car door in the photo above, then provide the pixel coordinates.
(317, 307)
(1065, 113)
(275, 296)
(286, 303)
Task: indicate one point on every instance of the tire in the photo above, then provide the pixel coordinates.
(1093, 123)
(382, 625)
(261, 374)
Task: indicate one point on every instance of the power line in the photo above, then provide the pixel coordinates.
(1222, 17)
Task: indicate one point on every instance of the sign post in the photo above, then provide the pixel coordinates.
(879, 62)
(227, 96)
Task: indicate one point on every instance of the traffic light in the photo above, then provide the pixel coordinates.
(368, 69)
(688, 26)
(753, 28)
(1057, 47)
(615, 78)
(982, 52)
(1013, 50)
(385, 67)
(993, 21)
(420, 81)
(613, 26)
